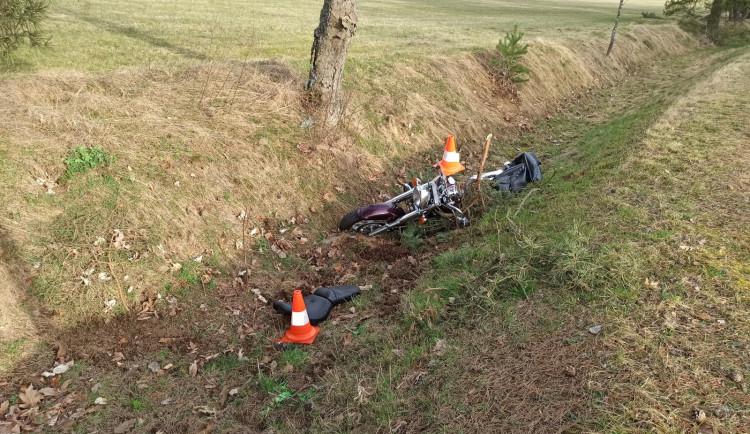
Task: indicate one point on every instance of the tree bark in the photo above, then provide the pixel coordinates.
(714, 18)
(337, 27)
(614, 30)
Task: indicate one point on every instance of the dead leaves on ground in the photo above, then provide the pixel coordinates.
(27, 413)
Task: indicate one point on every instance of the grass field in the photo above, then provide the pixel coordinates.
(640, 225)
(103, 35)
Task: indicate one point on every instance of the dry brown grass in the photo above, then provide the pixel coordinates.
(690, 335)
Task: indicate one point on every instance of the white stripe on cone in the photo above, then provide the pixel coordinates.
(451, 157)
(300, 318)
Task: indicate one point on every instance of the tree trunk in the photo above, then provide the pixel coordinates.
(714, 18)
(338, 24)
(614, 30)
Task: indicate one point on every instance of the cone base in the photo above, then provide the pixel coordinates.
(296, 338)
(451, 168)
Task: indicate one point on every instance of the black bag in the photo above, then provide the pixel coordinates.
(525, 168)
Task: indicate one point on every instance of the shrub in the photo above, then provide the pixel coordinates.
(20, 22)
(649, 15)
(84, 159)
(512, 53)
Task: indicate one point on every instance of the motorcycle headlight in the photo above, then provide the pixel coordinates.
(420, 196)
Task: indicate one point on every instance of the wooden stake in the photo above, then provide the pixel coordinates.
(481, 169)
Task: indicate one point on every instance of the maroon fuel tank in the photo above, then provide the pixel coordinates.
(381, 211)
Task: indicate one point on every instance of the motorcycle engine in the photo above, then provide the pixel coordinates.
(451, 189)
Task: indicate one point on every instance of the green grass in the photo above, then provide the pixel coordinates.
(96, 35)
(223, 363)
(13, 348)
(84, 159)
(295, 357)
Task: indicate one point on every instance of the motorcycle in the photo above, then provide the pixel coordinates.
(441, 196)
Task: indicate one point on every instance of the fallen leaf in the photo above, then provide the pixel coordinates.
(95, 388)
(256, 291)
(4, 408)
(205, 410)
(118, 238)
(699, 415)
(55, 381)
(304, 148)
(60, 369)
(154, 367)
(440, 347)
(125, 426)
(166, 340)
(100, 401)
(223, 396)
(194, 368)
(411, 379)
(49, 391)
(240, 356)
(62, 352)
(29, 398)
(348, 337)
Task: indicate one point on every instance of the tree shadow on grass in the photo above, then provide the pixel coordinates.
(15, 320)
(135, 33)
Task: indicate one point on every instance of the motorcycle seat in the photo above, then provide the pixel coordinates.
(338, 294)
(317, 307)
(319, 304)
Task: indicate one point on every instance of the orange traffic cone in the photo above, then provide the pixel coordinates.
(300, 332)
(451, 163)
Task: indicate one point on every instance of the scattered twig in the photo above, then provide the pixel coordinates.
(117, 281)
(244, 233)
(524, 201)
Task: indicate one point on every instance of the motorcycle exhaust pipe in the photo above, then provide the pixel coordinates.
(400, 220)
(400, 197)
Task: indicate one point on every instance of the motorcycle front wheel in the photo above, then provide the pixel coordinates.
(354, 222)
(349, 220)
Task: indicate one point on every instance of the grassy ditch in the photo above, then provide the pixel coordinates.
(495, 337)
(485, 328)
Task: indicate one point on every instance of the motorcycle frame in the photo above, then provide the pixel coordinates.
(435, 206)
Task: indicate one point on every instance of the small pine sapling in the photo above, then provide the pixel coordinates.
(20, 22)
(512, 53)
